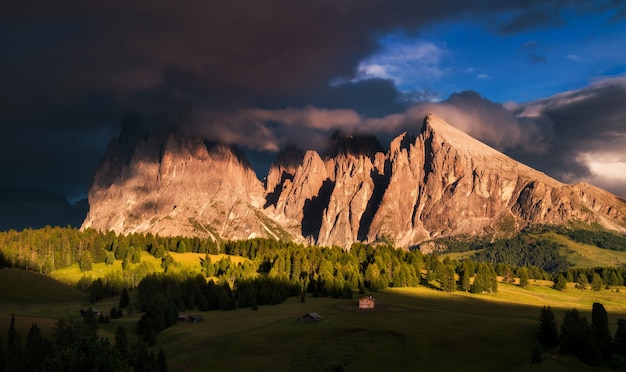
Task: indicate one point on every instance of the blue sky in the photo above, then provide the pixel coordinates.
(528, 65)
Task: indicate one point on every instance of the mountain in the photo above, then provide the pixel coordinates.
(438, 183)
(176, 184)
(24, 207)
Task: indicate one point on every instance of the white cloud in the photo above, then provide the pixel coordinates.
(484, 77)
(605, 165)
(574, 57)
(406, 62)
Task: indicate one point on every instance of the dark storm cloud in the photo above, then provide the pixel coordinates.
(589, 139)
(71, 70)
(574, 136)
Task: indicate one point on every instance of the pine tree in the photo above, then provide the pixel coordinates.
(14, 348)
(110, 259)
(582, 282)
(121, 341)
(86, 261)
(523, 277)
(596, 282)
(464, 278)
(560, 283)
(600, 326)
(448, 282)
(37, 348)
(124, 298)
(548, 331)
(620, 337)
(589, 351)
(572, 332)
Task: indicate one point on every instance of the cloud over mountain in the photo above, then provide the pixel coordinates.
(256, 73)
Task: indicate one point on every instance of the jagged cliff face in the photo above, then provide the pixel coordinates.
(177, 185)
(438, 183)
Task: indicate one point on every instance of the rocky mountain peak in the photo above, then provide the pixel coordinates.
(440, 182)
(178, 185)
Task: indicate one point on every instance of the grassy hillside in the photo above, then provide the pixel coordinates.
(585, 255)
(576, 254)
(36, 298)
(411, 328)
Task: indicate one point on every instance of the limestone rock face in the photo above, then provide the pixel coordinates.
(450, 184)
(437, 183)
(177, 185)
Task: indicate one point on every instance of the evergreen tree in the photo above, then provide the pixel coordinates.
(560, 283)
(464, 278)
(121, 341)
(346, 292)
(523, 277)
(572, 332)
(596, 282)
(37, 348)
(110, 258)
(620, 338)
(361, 287)
(581, 281)
(124, 298)
(448, 282)
(136, 257)
(548, 331)
(589, 351)
(113, 313)
(600, 326)
(14, 348)
(166, 261)
(86, 262)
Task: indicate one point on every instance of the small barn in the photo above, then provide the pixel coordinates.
(310, 318)
(367, 302)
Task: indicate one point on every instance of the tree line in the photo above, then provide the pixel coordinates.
(51, 248)
(590, 341)
(75, 346)
(519, 250)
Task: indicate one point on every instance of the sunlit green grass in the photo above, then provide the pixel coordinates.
(585, 255)
(189, 261)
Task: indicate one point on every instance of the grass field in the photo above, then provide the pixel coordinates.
(585, 255)
(577, 254)
(191, 261)
(411, 329)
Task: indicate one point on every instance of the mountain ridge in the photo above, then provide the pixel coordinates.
(438, 183)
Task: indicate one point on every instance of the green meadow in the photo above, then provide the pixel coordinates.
(187, 261)
(576, 254)
(411, 329)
